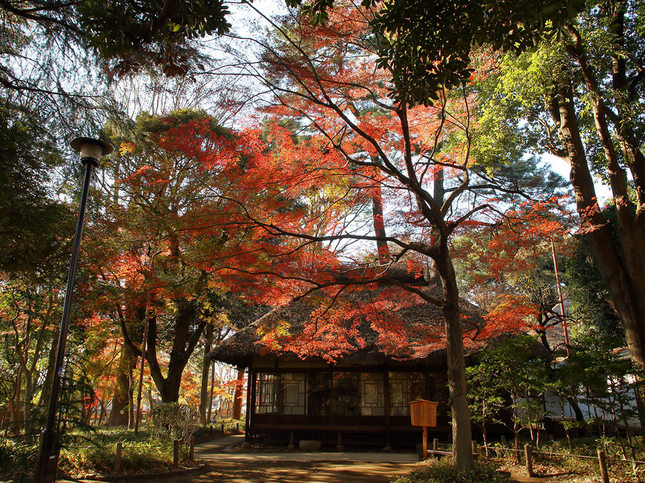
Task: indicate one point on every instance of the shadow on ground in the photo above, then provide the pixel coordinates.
(301, 471)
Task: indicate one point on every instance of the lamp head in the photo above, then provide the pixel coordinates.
(91, 148)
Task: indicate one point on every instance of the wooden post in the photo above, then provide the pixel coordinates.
(191, 454)
(175, 453)
(117, 458)
(387, 410)
(604, 474)
(529, 462)
(435, 444)
(222, 427)
(210, 398)
(425, 443)
(250, 400)
(292, 441)
(339, 442)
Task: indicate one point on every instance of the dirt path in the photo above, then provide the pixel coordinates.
(298, 471)
(228, 463)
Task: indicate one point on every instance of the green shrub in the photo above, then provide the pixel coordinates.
(16, 456)
(444, 471)
(177, 420)
(92, 453)
(144, 454)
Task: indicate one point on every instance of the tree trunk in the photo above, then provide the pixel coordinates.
(172, 383)
(28, 395)
(206, 363)
(14, 415)
(379, 225)
(238, 396)
(121, 399)
(183, 345)
(101, 413)
(377, 216)
(461, 430)
(47, 385)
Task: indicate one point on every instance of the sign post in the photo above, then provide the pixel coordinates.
(424, 413)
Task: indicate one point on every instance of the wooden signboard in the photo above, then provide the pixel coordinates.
(424, 413)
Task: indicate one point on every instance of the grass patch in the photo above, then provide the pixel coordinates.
(92, 453)
(443, 470)
(566, 464)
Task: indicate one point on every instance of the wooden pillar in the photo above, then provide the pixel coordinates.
(292, 441)
(529, 459)
(250, 409)
(386, 408)
(424, 452)
(175, 453)
(118, 458)
(604, 474)
(248, 405)
(334, 396)
(210, 397)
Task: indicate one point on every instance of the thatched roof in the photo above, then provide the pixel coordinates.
(358, 325)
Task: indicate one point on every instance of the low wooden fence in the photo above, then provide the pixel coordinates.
(528, 455)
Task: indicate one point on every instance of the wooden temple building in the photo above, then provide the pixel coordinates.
(356, 390)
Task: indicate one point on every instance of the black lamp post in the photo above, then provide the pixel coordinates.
(91, 151)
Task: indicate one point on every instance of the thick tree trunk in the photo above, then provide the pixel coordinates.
(121, 401)
(461, 429)
(183, 345)
(172, 385)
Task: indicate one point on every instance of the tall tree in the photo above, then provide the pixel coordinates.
(168, 236)
(580, 92)
(582, 97)
(326, 77)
